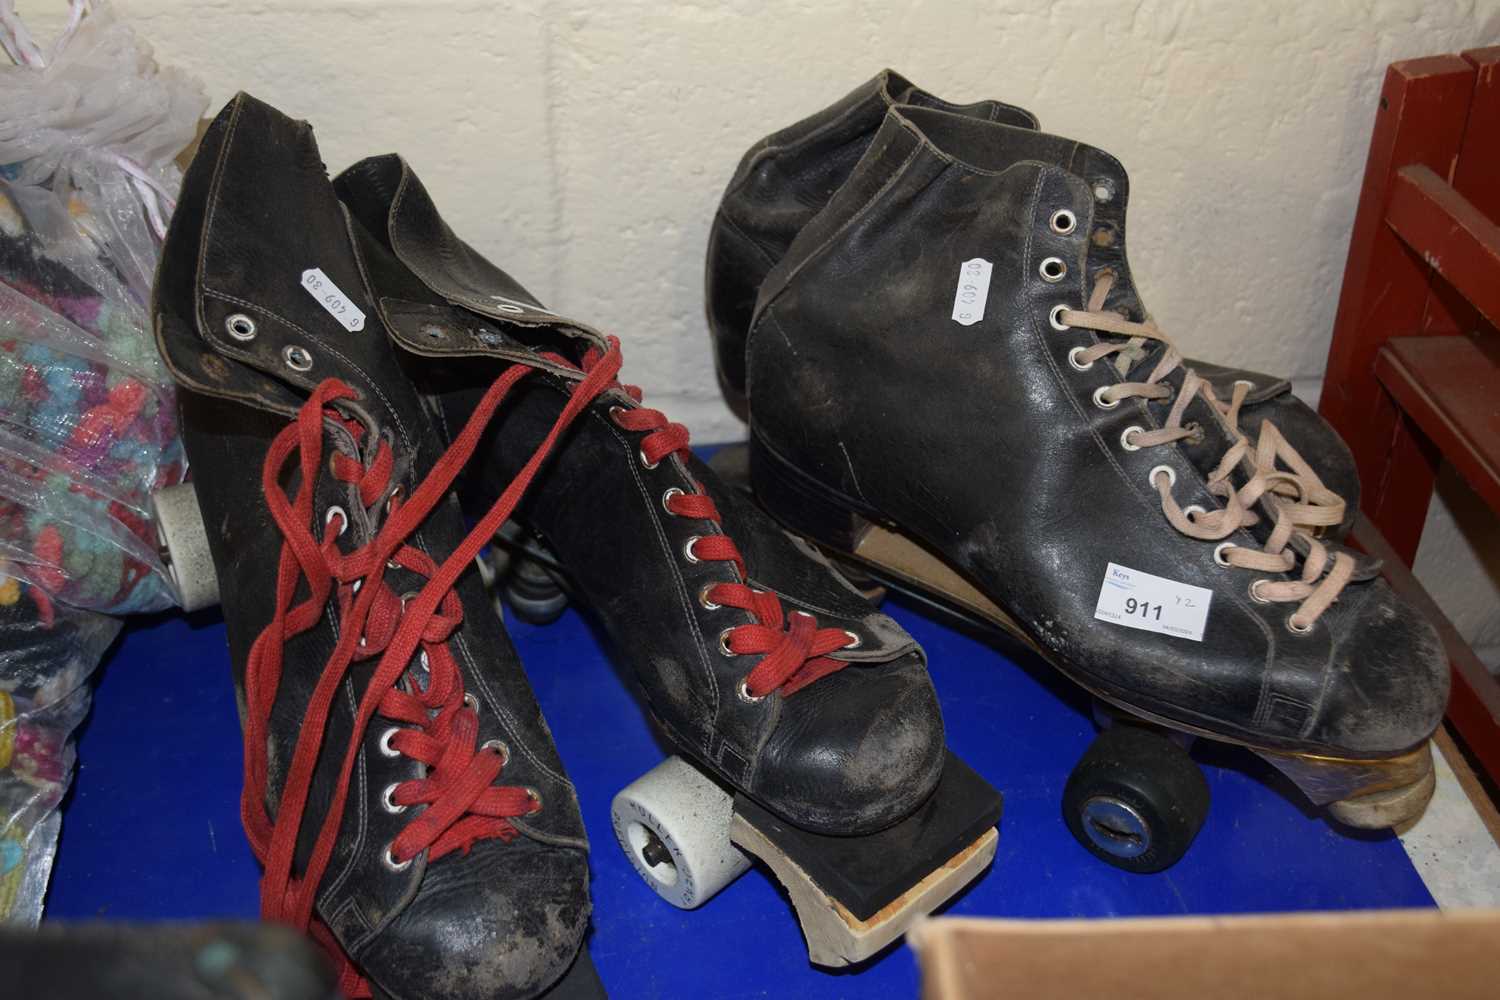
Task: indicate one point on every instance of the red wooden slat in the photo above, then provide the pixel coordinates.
(1474, 707)
(1421, 119)
(1477, 175)
(1405, 493)
(1472, 176)
(1450, 234)
(1450, 388)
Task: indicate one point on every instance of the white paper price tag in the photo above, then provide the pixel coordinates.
(973, 291)
(322, 288)
(1139, 600)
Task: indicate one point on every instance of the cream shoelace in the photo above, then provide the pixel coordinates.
(1301, 502)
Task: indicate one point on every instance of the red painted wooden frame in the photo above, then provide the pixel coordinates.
(1414, 368)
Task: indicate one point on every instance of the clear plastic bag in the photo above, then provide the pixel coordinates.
(88, 132)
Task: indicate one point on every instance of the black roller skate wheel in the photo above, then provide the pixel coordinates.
(1136, 799)
(533, 593)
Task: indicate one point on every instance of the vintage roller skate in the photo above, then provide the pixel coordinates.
(784, 180)
(809, 733)
(401, 788)
(956, 384)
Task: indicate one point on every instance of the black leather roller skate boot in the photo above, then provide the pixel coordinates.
(808, 716)
(401, 788)
(784, 180)
(955, 381)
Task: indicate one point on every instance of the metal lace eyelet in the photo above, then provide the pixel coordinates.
(298, 359)
(1102, 401)
(341, 514)
(666, 499)
(407, 598)
(1126, 435)
(1171, 475)
(385, 742)
(240, 327)
(1249, 385)
(743, 690)
(1055, 319)
(391, 805)
(724, 643)
(854, 641)
(1078, 365)
(389, 860)
(1221, 552)
(470, 701)
(704, 602)
(1192, 509)
(1104, 189)
(536, 798)
(687, 549)
(1294, 628)
(614, 414)
(646, 463)
(1063, 222)
(1053, 270)
(1255, 594)
(499, 747)
(390, 501)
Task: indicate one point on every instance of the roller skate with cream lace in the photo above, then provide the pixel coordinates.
(955, 383)
(808, 731)
(785, 179)
(401, 788)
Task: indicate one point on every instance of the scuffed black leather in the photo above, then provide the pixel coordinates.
(853, 752)
(780, 184)
(256, 209)
(984, 442)
(784, 180)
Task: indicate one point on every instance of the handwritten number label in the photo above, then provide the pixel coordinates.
(1134, 599)
(328, 295)
(973, 291)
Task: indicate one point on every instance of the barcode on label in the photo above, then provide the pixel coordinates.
(1154, 603)
(973, 291)
(328, 295)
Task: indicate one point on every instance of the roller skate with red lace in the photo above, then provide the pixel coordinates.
(808, 731)
(956, 384)
(402, 790)
(785, 179)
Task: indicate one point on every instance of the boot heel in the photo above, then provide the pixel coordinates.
(802, 504)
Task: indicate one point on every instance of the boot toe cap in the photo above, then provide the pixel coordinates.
(857, 751)
(507, 920)
(1391, 679)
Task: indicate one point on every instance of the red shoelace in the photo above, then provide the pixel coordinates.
(795, 651)
(436, 725)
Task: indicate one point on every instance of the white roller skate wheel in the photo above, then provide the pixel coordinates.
(184, 545)
(673, 822)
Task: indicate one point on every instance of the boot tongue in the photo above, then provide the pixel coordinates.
(392, 204)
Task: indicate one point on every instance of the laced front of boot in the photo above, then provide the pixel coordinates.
(460, 800)
(1302, 504)
(793, 649)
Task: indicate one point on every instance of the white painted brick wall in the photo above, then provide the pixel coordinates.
(583, 145)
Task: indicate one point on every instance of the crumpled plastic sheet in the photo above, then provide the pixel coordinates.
(88, 131)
